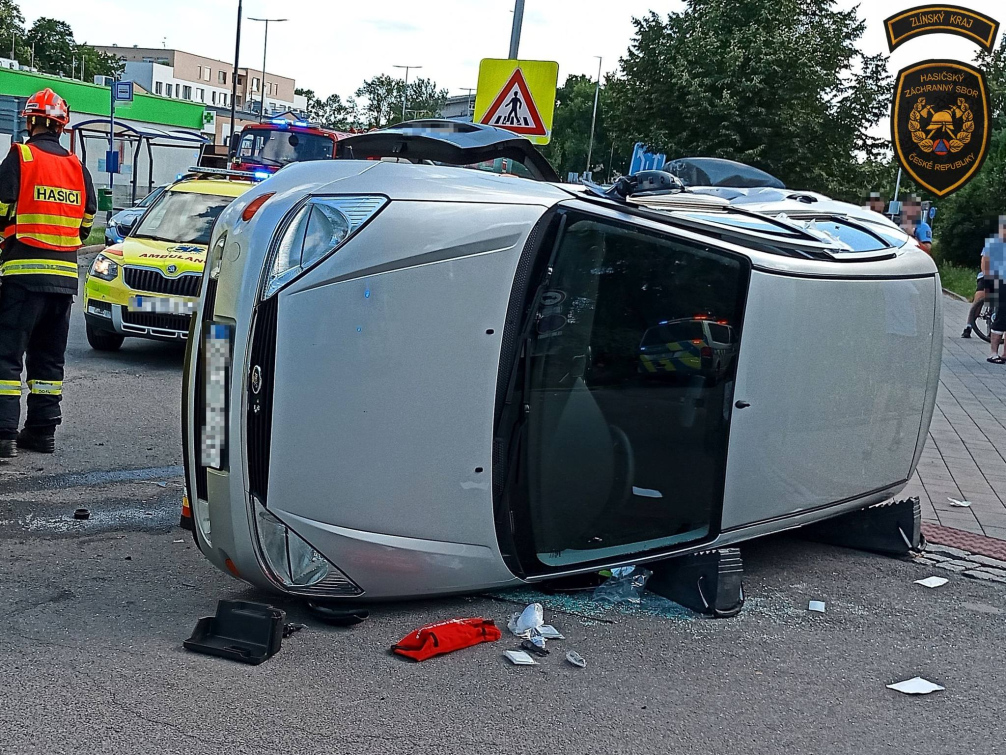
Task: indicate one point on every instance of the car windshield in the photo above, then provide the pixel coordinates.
(711, 171)
(182, 217)
(279, 147)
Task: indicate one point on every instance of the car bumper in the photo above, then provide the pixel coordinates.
(107, 308)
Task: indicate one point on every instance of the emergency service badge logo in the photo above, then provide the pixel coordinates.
(939, 123)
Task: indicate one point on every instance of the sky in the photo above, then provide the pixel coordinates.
(331, 46)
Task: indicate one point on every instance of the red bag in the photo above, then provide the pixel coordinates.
(446, 637)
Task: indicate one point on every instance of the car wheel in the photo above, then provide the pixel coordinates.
(103, 340)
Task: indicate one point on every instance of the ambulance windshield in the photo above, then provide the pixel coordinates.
(182, 217)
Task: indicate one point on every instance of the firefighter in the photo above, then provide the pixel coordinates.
(47, 203)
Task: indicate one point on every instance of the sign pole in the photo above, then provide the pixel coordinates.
(593, 119)
(518, 19)
(111, 144)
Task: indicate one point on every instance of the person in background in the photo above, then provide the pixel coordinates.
(875, 203)
(915, 225)
(982, 287)
(994, 267)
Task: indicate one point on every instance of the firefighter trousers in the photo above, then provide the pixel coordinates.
(33, 330)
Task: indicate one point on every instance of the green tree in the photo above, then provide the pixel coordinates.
(57, 52)
(574, 107)
(778, 84)
(11, 29)
(382, 98)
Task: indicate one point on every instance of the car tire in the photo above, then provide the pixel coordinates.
(103, 340)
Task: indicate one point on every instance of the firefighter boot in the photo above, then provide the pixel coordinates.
(43, 444)
(8, 449)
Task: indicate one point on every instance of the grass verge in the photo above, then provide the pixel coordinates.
(97, 236)
(960, 280)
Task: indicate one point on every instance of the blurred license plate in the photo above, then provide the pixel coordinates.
(216, 367)
(165, 305)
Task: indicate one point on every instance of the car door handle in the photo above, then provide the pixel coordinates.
(742, 404)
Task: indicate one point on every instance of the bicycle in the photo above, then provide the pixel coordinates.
(980, 318)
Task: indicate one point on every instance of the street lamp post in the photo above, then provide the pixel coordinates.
(405, 89)
(265, 48)
(234, 79)
(593, 119)
(468, 102)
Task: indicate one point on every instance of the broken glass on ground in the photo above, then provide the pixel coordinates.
(626, 584)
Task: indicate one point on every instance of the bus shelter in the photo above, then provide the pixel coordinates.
(140, 140)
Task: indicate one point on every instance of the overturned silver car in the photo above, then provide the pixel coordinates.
(408, 378)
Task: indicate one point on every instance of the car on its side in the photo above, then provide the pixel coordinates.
(409, 379)
(147, 285)
(122, 222)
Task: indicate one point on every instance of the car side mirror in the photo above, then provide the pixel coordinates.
(125, 228)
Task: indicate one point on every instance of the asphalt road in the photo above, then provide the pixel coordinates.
(94, 614)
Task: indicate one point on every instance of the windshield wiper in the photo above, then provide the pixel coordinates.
(154, 238)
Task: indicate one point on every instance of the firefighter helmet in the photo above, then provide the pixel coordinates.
(49, 105)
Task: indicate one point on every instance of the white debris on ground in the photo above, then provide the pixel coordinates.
(916, 686)
(959, 561)
(932, 581)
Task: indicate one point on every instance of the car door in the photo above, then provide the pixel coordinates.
(625, 438)
(833, 374)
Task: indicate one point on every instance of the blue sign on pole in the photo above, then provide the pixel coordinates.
(111, 161)
(932, 213)
(122, 91)
(643, 160)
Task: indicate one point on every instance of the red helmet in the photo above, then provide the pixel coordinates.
(47, 104)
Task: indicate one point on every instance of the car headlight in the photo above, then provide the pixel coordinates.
(313, 232)
(216, 255)
(294, 563)
(104, 268)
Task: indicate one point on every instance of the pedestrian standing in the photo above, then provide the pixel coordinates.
(994, 267)
(982, 289)
(47, 203)
(915, 225)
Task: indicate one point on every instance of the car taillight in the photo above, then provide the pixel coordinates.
(706, 351)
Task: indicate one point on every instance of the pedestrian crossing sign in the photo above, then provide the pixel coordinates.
(518, 95)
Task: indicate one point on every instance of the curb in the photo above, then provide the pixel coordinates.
(989, 547)
(952, 295)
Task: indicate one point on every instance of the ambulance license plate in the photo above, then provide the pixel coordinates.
(165, 305)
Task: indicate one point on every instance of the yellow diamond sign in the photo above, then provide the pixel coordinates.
(518, 95)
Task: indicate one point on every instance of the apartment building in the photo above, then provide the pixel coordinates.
(185, 76)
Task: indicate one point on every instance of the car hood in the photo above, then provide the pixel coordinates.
(127, 215)
(168, 257)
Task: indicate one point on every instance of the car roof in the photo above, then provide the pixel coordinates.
(215, 186)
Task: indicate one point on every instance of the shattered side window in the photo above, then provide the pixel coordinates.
(629, 394)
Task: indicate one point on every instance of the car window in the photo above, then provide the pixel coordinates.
(720, 333)
(151, 197)
(182, 217)
(627, 443)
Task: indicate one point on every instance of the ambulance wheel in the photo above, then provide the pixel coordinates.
(103, 340)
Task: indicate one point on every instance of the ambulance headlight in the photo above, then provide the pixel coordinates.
(314, 231)
(104, 268)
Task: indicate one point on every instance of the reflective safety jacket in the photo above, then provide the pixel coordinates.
(43, 229)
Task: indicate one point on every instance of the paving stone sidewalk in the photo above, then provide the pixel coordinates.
(965, 455)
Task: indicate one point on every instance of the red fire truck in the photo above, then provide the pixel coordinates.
(264, 148)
